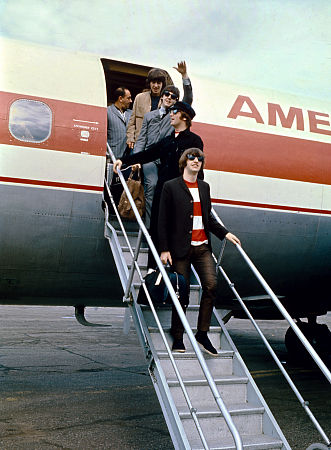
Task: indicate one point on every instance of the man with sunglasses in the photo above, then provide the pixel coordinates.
(184, 224)
(169, 150)
(156, 126)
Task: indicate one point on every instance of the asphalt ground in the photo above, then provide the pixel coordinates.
(72, 387)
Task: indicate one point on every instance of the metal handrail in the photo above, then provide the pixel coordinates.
(285, 314)
(226, 415)
(282, 310)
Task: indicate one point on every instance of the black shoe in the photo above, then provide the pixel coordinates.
(178, 346)
(205, 343)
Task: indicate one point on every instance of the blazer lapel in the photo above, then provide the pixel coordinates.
(203, 202)
(202, 192)
(117, 113)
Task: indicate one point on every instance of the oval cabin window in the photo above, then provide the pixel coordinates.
(30, 120)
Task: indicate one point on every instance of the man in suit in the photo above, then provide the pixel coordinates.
(118, 115)
(184, 224)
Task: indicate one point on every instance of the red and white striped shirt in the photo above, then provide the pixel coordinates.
(198, 233)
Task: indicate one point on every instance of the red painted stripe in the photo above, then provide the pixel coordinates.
(265, 205)
(66, 132)
(263, 154)
(51, 184)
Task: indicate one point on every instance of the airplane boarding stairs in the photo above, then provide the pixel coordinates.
(245, 404)
(208, 402)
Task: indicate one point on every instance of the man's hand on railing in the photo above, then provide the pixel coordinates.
(118, 165)
(232, 238)
(165, 258)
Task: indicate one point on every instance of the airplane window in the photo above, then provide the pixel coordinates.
(30, 120)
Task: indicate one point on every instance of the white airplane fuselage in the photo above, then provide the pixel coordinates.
(268, 161)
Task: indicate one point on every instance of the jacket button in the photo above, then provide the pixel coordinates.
(191, 216)
(190, 232)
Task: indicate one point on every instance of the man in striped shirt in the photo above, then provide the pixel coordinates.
(185, 221)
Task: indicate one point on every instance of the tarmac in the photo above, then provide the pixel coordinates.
(65, 386)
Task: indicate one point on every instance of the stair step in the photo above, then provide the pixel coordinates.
(194, 289)
(143, 250)
(164, 313)
(142, 257)
(252, 442)
(233, 390)
(187, 363)
(234, 409)
(132, 237)
(136, 278)
(247, 419)
(214, 335)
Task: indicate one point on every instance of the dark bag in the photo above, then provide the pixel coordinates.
(137, 191)
(158, 290)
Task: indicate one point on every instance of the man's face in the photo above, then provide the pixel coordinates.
(156, 86)
(126, 100)
(167, 99)
(175, 118)
(193, 165)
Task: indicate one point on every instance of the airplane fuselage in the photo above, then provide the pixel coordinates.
(268, 163)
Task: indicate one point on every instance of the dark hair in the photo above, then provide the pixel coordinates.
(119, 92)
(170, 88)
(190, 151)
(186, 117)
(156, 74)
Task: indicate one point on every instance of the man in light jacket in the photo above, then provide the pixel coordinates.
(149, 100)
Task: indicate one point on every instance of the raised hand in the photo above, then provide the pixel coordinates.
(181, 68)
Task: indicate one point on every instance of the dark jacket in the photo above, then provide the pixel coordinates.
(168, 150)
(176, 217)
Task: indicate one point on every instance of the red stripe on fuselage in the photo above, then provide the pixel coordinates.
(51, 184)
(263, 154)
(69, 120)
(227, 149)
(270, 206)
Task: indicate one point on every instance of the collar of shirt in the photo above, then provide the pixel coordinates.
(121, 112)
(162, 111)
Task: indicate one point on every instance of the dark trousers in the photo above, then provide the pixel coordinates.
(201, 258)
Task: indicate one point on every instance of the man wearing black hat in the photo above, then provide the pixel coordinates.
(169, 150)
